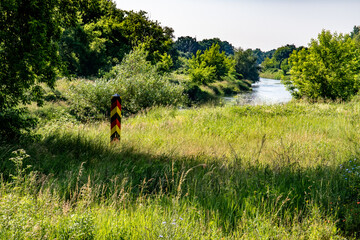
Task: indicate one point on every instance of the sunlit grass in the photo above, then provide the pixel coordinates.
(234, 172)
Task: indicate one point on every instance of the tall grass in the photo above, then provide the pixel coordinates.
(236, 172)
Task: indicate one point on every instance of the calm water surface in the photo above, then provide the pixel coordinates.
(266, 91)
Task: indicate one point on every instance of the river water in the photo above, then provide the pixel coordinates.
(265, 91)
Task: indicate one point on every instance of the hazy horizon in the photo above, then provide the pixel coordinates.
(264, 24)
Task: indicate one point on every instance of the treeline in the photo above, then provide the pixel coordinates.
(188, 46)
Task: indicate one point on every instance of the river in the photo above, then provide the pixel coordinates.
(265, 91)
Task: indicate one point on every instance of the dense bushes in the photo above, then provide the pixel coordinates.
(137, 81)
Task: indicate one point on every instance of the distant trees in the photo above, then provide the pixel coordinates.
(355, 34)
(328, 69)
(246, 66)
(278, 64)
(261, 56)
(189, 45)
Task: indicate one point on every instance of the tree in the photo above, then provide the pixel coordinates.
(245, 65)
(328, 69)
(210, 66)
(138, 28)
(269, 63)
(104, 34)
(94, 47)
(261, 56)
(29, 32)
(224, 45)
(283, 52)
(355, 32)
(97, 41)
(187, 45)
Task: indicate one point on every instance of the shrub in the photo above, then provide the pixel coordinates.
(137, 81)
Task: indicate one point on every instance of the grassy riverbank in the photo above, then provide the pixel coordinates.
(274, 74)
(235, 172)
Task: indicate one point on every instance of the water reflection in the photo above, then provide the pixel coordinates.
(266, 91)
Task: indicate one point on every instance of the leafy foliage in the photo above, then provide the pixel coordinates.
(138, 82)
(96, 46)
(210, 66)
(28, 46)
(189, 46)
(261, 56)
(245, 65)
(283, 53)
(29, 31)
(104, 34)
(139, 29)
(329, 69)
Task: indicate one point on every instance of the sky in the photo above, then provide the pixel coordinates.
(264, 24)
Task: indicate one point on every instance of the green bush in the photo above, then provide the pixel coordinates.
(137, 81)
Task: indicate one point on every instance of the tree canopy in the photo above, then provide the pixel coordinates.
(245, 65)
(328, 69)
(210, 66)
(189, 45)
(104, 34)
(29, 55)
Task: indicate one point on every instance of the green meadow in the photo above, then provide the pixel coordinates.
(212, 172)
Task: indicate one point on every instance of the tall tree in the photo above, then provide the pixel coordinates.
(224, 45)
(97, 42)
(29, 32)
(283, 52)
(187, 45)
(138, 28)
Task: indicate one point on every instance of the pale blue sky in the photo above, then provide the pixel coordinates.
(264, 24)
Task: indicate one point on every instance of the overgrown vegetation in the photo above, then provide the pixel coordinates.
(235, 172)
(137, 81)
(230, 172)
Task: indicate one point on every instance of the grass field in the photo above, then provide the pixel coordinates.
(234, 172)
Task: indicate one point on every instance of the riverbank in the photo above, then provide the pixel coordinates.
(274, 74)
(235, 172)
(213, 92)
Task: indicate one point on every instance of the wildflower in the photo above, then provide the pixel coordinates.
(358, 203)
(161, 236)
(163, 222)
(181, 218)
